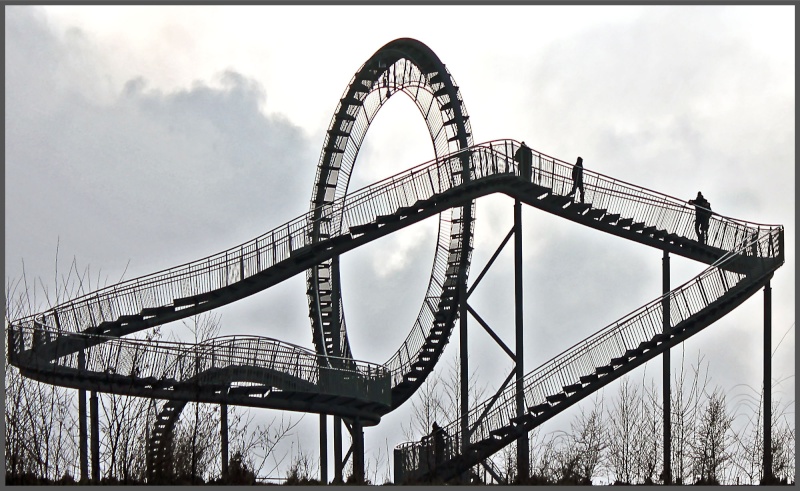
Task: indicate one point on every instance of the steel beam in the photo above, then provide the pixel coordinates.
(767, 476)
(94, 413)
(357, 433)
(523, 451)
(464, 367)
(84, 431)
(666, 375)
(223, 436)
(337, 450)
(323, 448)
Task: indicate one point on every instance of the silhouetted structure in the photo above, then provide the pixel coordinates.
(327, 380)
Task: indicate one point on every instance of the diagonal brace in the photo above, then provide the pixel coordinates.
(489, 264)
(492, 333)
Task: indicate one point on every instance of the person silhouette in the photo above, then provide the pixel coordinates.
(524, 156)
(702, 215)
(438, 435)
(577, 178)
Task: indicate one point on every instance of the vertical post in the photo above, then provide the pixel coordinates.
(223, 437)
(93, 411)
(336, 302)
(323, 449)
(337, 449)
(464, 362)
(767, 478)
(666, 375)
(358, 451)
(522, 442)
(84, 431)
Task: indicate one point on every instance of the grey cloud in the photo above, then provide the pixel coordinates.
(144, 174)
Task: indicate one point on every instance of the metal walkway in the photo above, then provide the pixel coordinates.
(81, 344)
(47, 346)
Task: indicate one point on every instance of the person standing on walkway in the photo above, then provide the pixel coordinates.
(577, 178)
(702, 215)
(438, 435)
(524, 158)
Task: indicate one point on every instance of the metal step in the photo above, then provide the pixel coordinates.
(624, 222)
(579, 208)
(610, 217)
(360, 229)
(555, 398)
(595, 213)
(539, 408)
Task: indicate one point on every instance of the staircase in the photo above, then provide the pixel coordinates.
(742, 256)
(599, 359)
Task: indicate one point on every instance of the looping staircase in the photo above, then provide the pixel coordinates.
(78, 343)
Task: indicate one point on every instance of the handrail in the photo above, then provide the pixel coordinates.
(235, 264)
(627, 333)
(403, 189)
(142, 359)
(734, 239)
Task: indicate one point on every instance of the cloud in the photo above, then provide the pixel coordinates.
(159, 177)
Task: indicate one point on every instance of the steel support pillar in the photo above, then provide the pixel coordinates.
(323, 448)
(523, 451)
(223, 437)
(336, 301)
(94, 414)
(82, 428)
(667, 475)
(337, 450)
(768, 477)
(464, 372)
(357, 434)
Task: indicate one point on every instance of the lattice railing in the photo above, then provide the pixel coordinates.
(297, 368)
(583, 358)
(384, 198)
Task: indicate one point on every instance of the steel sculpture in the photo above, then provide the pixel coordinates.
(408, 67)
(81, 343)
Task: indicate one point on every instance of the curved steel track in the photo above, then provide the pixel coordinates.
(81, 343)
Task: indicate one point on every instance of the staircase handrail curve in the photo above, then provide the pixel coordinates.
(247, 347)
(175, 272)
(189, 271)
(182, 363)
(560, 364)
(678, 202)
(409, 349)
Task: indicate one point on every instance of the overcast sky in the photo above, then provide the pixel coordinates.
(139, 138)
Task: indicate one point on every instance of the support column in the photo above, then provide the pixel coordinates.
(323, 448)
(95, 437)
(84, 431)
(523, 451)
(464, 359)
(767, 384)
(358, 451)
(223, 437)
(666, 378)
(337, 449)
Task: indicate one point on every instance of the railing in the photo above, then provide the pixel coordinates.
(496, 158)
(293, 367)
(425, 181)
(612, 341)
